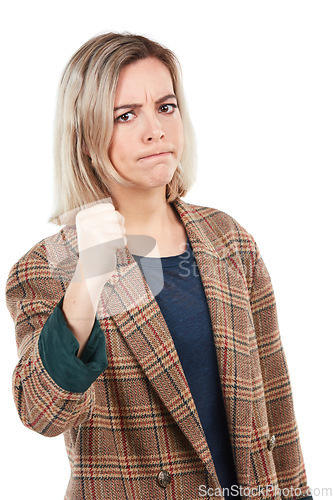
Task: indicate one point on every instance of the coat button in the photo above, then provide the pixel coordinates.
(163, 478)
(271, 443)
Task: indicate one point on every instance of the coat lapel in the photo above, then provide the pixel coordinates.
(227, 298)
(140, 321)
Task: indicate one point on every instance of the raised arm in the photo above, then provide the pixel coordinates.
(54, 323)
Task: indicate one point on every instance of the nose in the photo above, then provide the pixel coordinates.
(153, 129)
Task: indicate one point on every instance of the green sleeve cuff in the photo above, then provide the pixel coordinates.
(58, 350)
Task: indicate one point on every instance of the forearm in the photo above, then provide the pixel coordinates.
(80, 305)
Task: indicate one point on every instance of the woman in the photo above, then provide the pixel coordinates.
(146, 327)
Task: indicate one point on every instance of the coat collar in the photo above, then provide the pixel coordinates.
(148, 337)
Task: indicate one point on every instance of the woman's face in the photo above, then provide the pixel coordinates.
(147, 140)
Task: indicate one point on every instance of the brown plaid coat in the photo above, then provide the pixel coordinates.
(135, 433)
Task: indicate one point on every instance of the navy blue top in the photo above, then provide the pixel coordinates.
(184, 306)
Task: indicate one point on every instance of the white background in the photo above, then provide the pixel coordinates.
(258, 78)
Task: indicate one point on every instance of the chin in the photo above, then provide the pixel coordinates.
(163, 181)
(161, 178)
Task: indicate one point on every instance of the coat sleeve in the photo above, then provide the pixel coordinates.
(287, 453)
(32, 294)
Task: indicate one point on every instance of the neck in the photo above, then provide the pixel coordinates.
(148, 213)
(145, 211)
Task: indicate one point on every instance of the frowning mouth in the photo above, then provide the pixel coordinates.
(156, 155)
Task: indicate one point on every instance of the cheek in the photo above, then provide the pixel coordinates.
(118, 147)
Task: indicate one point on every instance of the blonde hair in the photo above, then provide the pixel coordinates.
(84, 121)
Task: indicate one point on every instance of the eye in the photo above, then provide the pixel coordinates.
(168, 108)
(126, 117)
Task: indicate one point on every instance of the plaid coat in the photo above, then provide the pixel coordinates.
(135, 433)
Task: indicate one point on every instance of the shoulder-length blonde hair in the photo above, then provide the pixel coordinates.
(84, 121)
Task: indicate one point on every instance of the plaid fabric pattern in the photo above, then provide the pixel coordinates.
(138, 418)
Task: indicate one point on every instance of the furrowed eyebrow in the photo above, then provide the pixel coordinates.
(165, 98)
(136, 105)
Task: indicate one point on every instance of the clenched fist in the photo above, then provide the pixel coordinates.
(100, 231)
